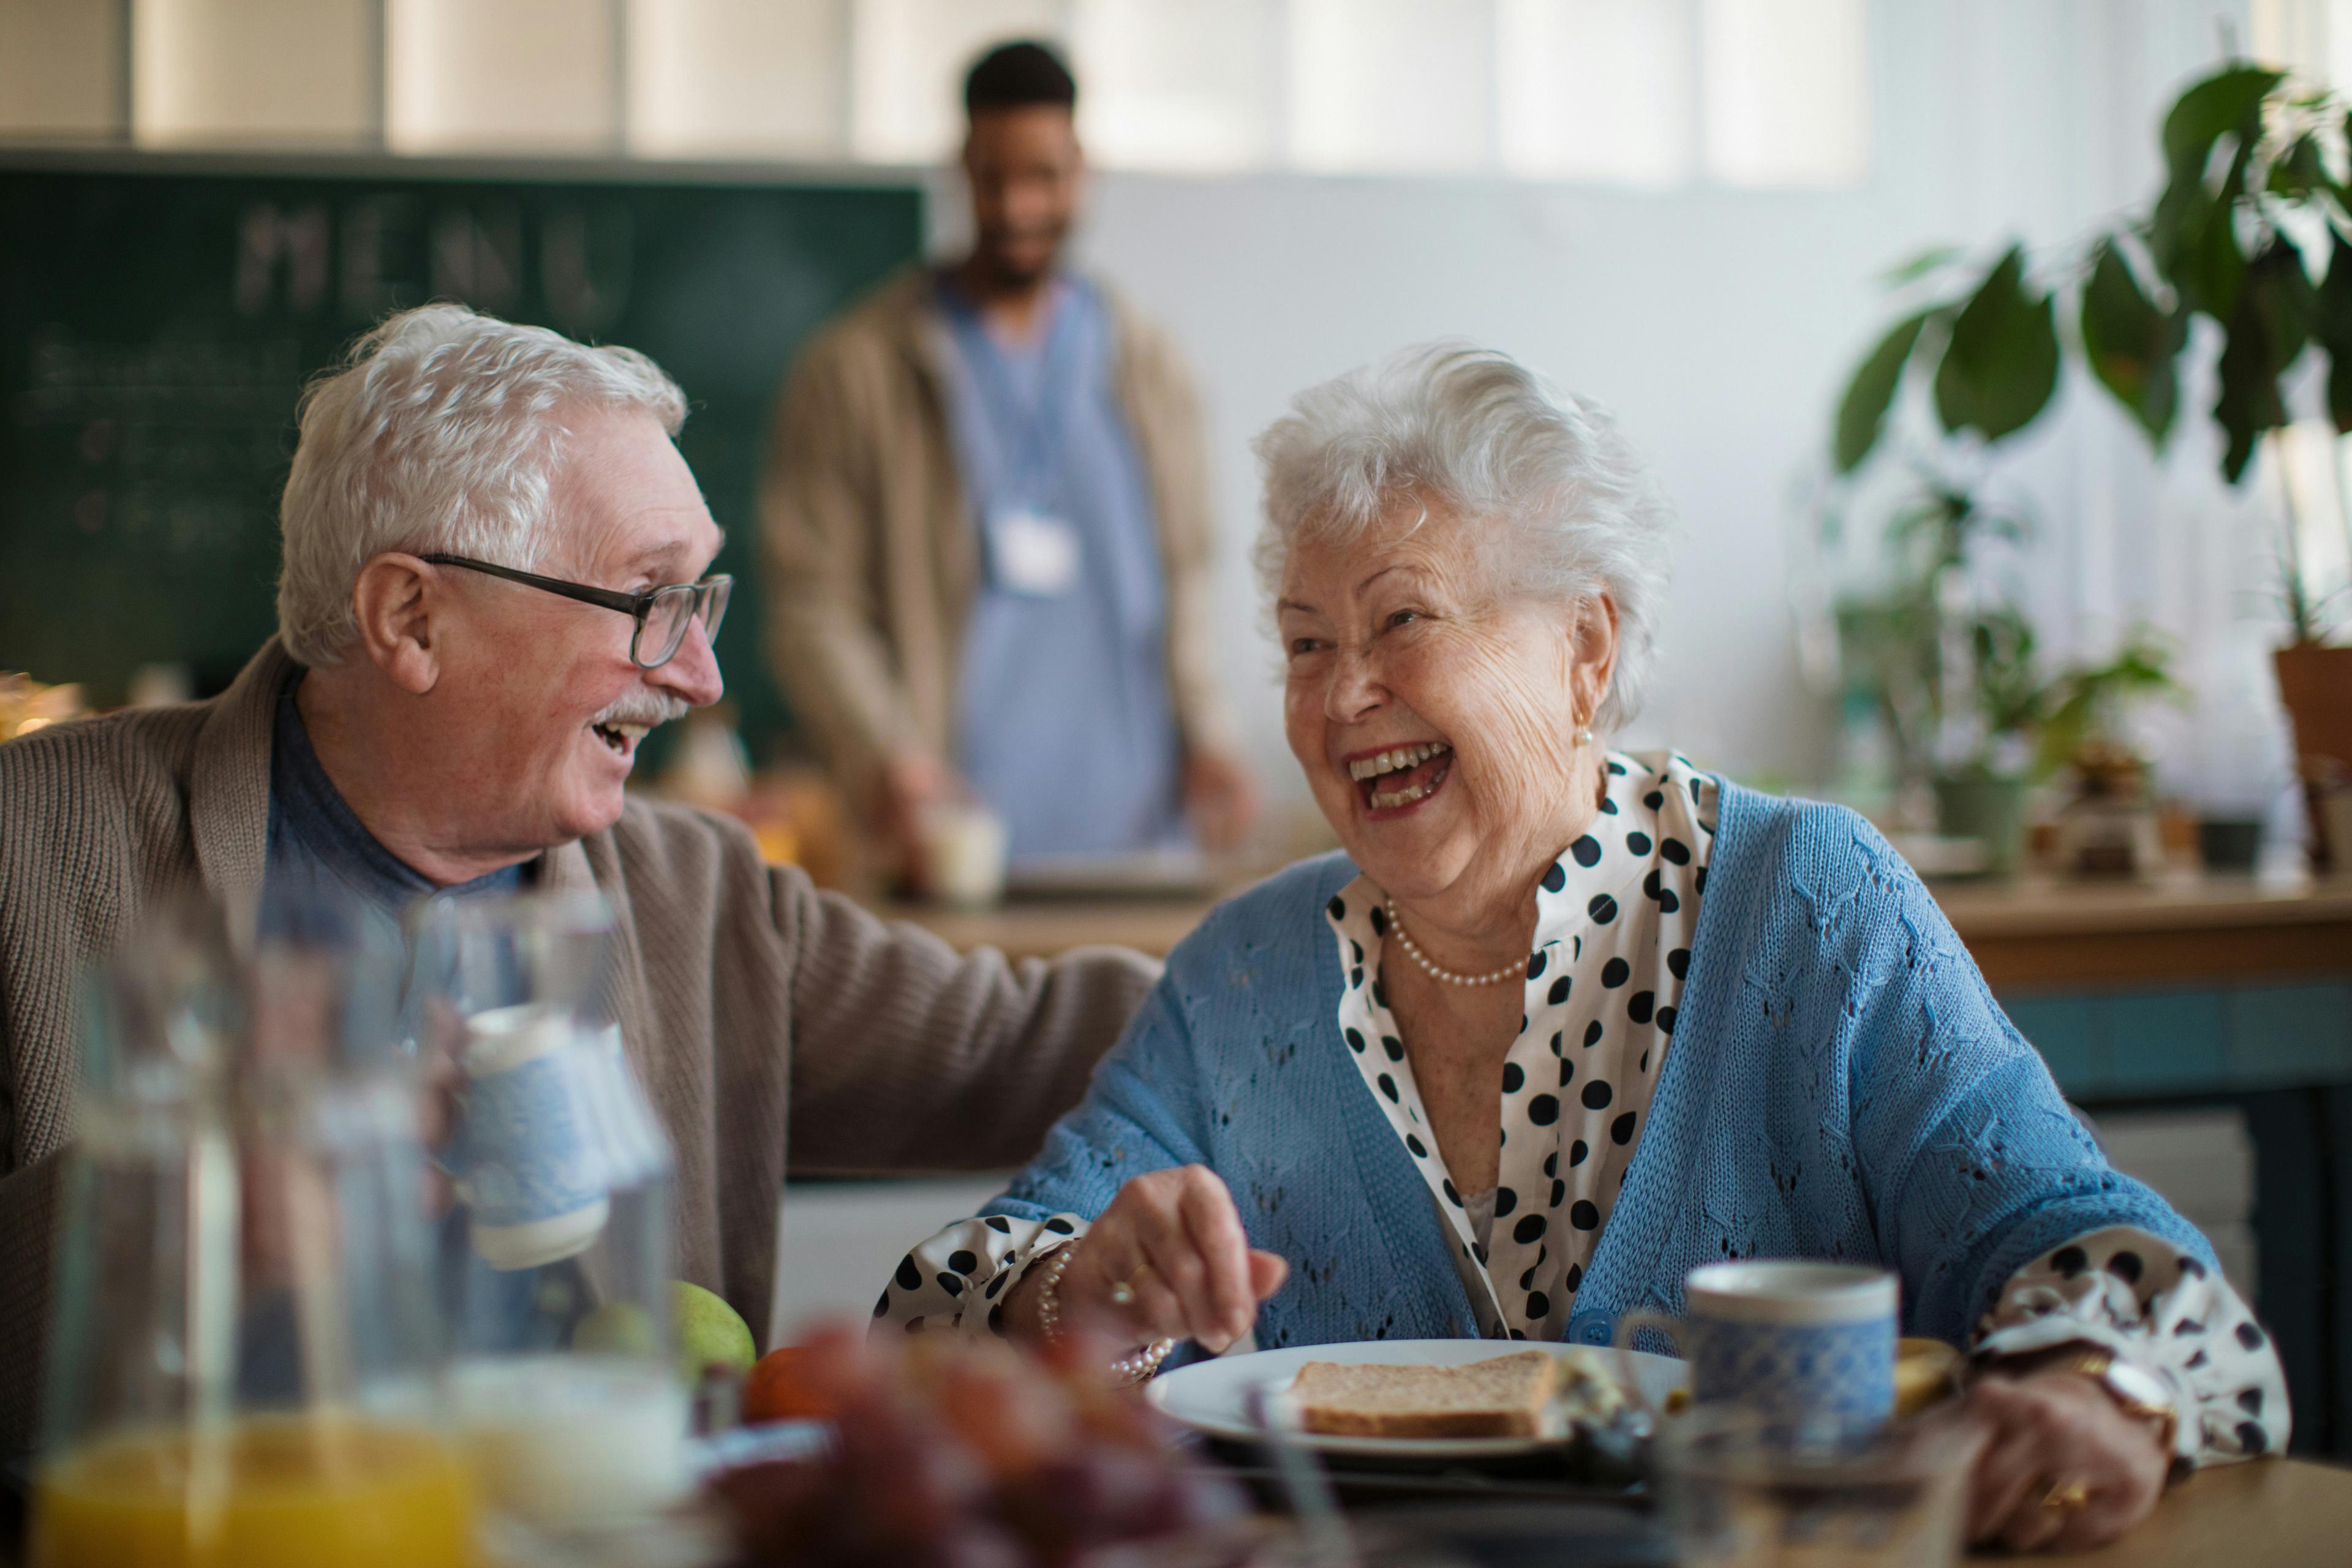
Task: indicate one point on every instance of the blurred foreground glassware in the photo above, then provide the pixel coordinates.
(557, 1255)
(244, 1351)
(1744, 1491)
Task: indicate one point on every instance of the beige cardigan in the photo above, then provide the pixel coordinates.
(758, 1012)
(869, 552)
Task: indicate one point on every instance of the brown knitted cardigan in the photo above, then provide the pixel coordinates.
(760, 1013)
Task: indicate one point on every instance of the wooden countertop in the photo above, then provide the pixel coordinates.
(2272, 1513)
(2031, 934)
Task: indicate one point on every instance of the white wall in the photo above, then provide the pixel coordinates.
(1720, 325)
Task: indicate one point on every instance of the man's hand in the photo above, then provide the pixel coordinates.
(1168, 1259)
(2049, 1432)
(1221, 797)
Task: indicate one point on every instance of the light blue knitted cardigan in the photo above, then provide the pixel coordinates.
(1841, 1084)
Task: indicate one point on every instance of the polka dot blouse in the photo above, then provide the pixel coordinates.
(1613, 922)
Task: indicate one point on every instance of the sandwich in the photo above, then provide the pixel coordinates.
(1502, 1397)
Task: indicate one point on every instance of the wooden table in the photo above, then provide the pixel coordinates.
(2275, 1513)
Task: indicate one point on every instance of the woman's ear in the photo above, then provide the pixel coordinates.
(397, 601)
(1594, 647)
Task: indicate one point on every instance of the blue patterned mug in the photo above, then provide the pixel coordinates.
(1784, 1337)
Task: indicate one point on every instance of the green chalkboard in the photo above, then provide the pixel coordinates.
(159, 317)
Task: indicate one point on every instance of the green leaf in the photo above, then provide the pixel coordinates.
(2132, 343)
(2002, 363)
(2268, 330)
(1919, 266)
(2228, 102)
(2332, 325)
(2300, 172)
(1863, 408)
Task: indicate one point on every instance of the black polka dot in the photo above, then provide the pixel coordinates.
(1559, 993)
(1587, 851)
(996, 1284)
(1584, 1216)
(1577, 1154)
(1061, 1227)
(1598, 1094)
(1608, 806)
(1640, 1006)
(1380, 985)
(1558, 1192)
(1645, 1061)
(1638, 843)
(908, 1277)
(1555, 879)
(1575, 1280)
(1356, 978)
(1669, 900)
(1567, 1071)
(1514, 1079)
(1530, 1228)
(950, 1283)
(1618, 769)
(1615, 973)
(882, 1304)
(2250, 1336)
(1338, 908)
(1676, 850)
(1543, 1110)
(1602, 909)
(1451, 1195)
(2126, 1266)
(1539, 1306)
(1359, 948)
(1678, 963)
(1558, 1036)
(1420, 1149)
(2193, 1362)
(1506, 1200)
(2069, 1261)
(963, 1262)
(999, 1224)
(1592, 1034)
(1698, 878)
(1380, 920)
(1356, 1042)
(2251, 1438)
(1621, 1131)
(1393, 1047)
(1552, 1163)
(1655, 799)
(2250, 1402)
(1537, 961)
(1388, 1088)
(1666, 1020)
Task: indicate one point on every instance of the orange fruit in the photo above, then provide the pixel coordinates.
(785, 1384)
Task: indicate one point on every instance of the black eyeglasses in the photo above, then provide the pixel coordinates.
(662, 614)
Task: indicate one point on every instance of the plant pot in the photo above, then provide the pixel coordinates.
(2315, 684)
(1988, 808)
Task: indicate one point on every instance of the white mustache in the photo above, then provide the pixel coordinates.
(644, 707)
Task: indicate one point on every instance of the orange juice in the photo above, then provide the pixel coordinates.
(278, 1492)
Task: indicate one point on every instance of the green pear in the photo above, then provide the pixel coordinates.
(710, 1332)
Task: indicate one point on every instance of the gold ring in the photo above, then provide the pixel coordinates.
(2065, 1497)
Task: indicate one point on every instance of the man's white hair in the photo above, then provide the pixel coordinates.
(1542, 477)
(439, 431)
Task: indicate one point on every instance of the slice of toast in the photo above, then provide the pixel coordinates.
(1502, 1397)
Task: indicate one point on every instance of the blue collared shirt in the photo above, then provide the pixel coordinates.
(1066, 727)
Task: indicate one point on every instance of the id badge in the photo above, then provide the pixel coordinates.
(1032, 553)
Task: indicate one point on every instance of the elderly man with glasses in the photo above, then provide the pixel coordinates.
(494, 584)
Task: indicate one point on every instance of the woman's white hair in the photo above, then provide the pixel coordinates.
(1544, 475)
(438, 432)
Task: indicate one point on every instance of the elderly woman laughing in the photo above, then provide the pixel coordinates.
(1562, 1022)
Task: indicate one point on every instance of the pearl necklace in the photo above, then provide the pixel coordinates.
(1412, 951)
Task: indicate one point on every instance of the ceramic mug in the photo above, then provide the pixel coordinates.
(530, 1158)
(1784, 1337)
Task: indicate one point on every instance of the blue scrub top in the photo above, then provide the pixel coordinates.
(1066, 727)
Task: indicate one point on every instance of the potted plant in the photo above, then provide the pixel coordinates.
(2253, 230)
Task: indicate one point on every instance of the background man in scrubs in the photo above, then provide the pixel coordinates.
(987, 534)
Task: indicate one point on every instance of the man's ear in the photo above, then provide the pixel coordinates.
(398, 601)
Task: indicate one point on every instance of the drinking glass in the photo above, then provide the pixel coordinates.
(556, 1251)
(244, 1349)
(1748, 1490)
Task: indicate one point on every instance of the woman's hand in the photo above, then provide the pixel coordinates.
(2052, 1432)
(1168, 1259)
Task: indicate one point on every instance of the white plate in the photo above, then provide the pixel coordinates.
(1208, 1395)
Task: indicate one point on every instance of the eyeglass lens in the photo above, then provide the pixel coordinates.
(672, 610)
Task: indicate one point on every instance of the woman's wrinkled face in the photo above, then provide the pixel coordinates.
(1433, 710)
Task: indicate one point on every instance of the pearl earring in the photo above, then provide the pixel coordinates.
(1583, 736)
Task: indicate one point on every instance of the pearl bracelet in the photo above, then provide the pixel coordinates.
(1137, 1366)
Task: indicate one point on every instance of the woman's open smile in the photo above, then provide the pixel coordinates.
(1393, 781)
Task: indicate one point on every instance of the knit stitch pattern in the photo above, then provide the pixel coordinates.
(1841, 1084)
